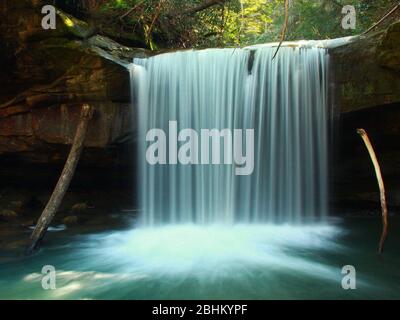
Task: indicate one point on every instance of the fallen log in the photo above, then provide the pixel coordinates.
(64, 180)
(378, 173)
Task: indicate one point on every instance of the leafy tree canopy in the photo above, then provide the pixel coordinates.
(159, 24)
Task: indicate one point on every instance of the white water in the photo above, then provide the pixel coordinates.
(193, 262)
(215, 251)
(283, 100)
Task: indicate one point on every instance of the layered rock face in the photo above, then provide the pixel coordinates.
(46, 75)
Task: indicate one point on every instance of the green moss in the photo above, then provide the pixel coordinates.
(75, 27)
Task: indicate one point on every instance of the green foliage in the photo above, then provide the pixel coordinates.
(166, 23)
(321, 19)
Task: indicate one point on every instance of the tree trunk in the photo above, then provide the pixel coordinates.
(64, 180)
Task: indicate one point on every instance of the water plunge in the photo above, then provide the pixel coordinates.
(208, 233)
(284, 100)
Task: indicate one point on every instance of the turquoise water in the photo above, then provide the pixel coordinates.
(216, 262)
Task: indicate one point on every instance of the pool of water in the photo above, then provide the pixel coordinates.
(215, 262)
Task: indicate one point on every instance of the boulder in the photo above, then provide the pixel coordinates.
(80, 208)
(70, 220)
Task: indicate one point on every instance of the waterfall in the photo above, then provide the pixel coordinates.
(284, 100)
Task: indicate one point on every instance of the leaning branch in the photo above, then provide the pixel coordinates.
(284, 29)
(131, 10)
(383, 18)
(64, 181)
(374, 159)
(156, 16)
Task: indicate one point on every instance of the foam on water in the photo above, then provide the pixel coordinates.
(213, 251)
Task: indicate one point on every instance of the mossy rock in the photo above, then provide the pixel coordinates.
(75, 27)
(389, 50)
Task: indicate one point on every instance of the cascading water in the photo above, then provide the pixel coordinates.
(284, 100)
(207, 231)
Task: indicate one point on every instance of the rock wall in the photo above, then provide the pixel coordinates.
(366, 78)
(367, 70)
(46, 75)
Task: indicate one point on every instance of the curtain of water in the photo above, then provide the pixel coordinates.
(283, 100)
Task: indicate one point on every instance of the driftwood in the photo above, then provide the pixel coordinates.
(64, 180)
(375, 162)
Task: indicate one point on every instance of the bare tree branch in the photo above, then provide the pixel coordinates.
(131, 10)
(383, 18)
(378, 172)
(284, 29)
(205, 5)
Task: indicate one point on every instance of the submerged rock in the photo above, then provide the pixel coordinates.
(80, 208)
(70, 220)
(8, 214)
